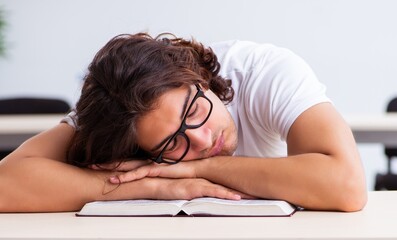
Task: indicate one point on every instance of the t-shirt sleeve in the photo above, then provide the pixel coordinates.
(70, 119)
(281, 86)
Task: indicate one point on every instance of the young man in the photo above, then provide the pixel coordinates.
(250, 121)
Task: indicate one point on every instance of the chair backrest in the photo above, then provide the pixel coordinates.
(33, 106)
(391, 107)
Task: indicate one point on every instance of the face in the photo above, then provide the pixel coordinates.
(216, 137)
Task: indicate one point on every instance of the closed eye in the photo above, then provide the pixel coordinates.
(173, 145)
(192, 112)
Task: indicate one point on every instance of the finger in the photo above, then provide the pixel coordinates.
(136, 174)
(241, 194)
(225, 194)
(132, 164)
(105, 166)
(221, 191)
(244, 195)
(247, 196)
(120, 165)
(218, 191)
(153, 170)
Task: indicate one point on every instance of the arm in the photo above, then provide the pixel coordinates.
(35, 178)
(322, 170)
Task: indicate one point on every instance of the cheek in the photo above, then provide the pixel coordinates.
(193, 155)
(219, 116)
(223, 122)
(146, 136)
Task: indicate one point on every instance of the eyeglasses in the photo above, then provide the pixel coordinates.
(196, 115)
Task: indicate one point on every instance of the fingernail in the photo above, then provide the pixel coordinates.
(237, 197)
(114, 179)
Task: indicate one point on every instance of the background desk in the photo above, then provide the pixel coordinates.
(378, 220)
(374, 128)
(14, 129)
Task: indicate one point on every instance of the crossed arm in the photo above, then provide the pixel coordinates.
(322, 171)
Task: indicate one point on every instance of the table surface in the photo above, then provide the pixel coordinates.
(376, 221)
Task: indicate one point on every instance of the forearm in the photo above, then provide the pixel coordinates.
(312, 180)
(322, 171)
(44, 185)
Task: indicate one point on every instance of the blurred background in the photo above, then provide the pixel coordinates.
(350, 44)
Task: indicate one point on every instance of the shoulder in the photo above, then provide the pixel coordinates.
(239, 46)
(243, 56)
(273, 85)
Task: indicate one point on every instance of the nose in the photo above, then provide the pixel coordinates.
(200, 138)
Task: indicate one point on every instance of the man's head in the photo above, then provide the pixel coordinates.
(134, 86)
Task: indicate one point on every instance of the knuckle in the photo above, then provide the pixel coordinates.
(150, 172)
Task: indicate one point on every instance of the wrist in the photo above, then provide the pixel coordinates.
(151, 187)
(139, 189)
(202, 168)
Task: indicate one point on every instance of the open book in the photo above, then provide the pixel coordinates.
(195, 207)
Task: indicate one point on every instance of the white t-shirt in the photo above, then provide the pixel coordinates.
(273, 86)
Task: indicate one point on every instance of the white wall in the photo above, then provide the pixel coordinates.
(351, 44)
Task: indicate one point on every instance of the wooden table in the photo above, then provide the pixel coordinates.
(377, 221)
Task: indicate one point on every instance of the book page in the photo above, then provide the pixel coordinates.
(244, 207)
(241, 202)
(132, 208)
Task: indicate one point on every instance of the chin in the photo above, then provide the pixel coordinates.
(228, 151)
(230, 148)
(230, 141)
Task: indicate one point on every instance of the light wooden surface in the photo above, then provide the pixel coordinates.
(377, 221)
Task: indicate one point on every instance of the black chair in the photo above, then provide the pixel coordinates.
(31, 106)
(388, 181)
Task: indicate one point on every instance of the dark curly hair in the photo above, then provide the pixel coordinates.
(124, 81)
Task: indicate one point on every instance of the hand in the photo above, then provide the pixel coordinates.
(180, 170)
(190, 188)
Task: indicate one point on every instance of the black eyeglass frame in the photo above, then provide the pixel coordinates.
(183, 127)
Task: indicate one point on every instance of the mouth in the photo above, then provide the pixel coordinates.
(218, 145)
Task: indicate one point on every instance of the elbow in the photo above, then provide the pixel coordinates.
(4, 206)
(4, 202)
(352, 194)
(7, 203)
(353, 202)
(4, 196)
(349, 188)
